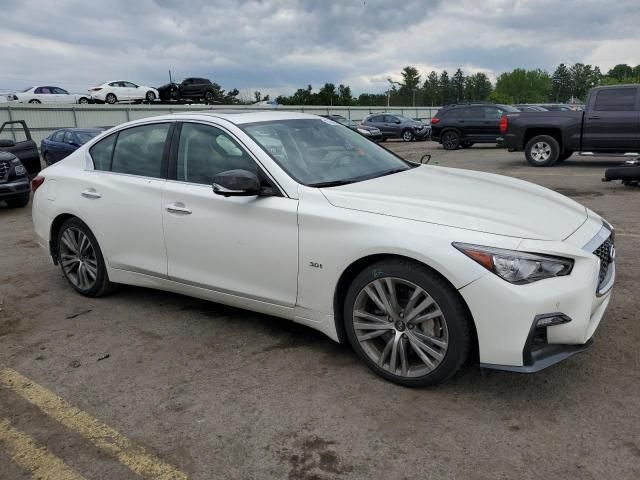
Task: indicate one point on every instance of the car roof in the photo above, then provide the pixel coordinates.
(240, 118)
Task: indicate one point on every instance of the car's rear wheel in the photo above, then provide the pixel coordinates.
(150, 96)
(407, 323)
(209, 96)
(111, 98)
(542, 151)
(81, 259)
(83, 100)
(18, 202)
(35, 101)
(450, 140)
(407, 135)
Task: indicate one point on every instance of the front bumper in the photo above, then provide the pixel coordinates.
(505, 314)
(14, 189)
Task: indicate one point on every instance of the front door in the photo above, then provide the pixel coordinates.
(611, 122)
(242, 246)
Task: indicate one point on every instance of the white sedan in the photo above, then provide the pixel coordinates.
(123, 91)
(419, 268)
(48, 94)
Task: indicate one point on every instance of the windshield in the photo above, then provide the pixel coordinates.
(322, 153)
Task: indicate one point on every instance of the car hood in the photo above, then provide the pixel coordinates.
(465, 199)
(369, 128)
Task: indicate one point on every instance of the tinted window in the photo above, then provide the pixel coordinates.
(139, 150)
(84, 137)
(113, 84)
(58, 136)
(390, 119)
(130, 85)
(205, 151)
(492, 113)
(68, 137)
(102, 152)
(377, 119)
(616, 99)
(59, 91)
(473, 112)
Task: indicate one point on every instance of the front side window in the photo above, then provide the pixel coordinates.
(130, 85)
(68, 137)
(59, 91)
(616, 99)
(320, 152)
(58, 136)
(139, 150)
(205, 151)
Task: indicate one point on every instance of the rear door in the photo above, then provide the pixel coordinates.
(471, 123)
(612, 121)
(69, 144)
(56, 146)
(121, 197)
(491, 126)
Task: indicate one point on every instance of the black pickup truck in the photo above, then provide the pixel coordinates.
(609, 125)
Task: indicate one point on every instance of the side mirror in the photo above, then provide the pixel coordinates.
(236, 183)
(7, 143)
(398, 122)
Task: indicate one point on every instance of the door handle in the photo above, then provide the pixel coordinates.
(90, 193)
(594, 117)
(178, 208)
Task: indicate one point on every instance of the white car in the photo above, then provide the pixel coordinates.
(122, 91)
(419, 268)
(47, 94)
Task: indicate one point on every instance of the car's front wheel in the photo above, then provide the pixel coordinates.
(407, 135)
(407, 323)
(150, 96)
(209, 97)
(111, 99)
(450, 140)
(34, 101)
(83, 100)
(81, 259)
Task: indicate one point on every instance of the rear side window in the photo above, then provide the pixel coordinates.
(102, 152)
(58, 136)
(616, 100)
(139, 150)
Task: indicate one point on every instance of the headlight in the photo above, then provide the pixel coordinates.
(364, 132)
(517, 267)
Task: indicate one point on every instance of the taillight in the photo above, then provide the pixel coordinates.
(36, 182)
(435, 120)
(504, 124)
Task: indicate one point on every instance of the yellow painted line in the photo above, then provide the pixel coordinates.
(102, 436)
(30, 457)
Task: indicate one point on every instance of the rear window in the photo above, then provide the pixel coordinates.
(616, 99)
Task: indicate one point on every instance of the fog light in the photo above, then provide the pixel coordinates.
(550, 319)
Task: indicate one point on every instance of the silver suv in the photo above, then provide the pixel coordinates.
(397, 126)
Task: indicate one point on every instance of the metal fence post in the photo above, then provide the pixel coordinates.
(13, 132)
(75, 117)
(128, 114)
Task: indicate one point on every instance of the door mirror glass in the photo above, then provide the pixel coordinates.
(7, 143)
(236, 183)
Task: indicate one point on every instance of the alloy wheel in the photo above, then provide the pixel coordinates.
(407, 136)
(541, 151)
(450, 141)
(78, 258)
(400, 327)
(151, 96)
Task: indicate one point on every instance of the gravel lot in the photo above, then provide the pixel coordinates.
(217, 392)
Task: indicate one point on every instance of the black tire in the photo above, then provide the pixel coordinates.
(542, 151)
(83, 100)
(407, 135)
(35, 101)
(450, 140)
(467, 144)
(111, 99)
(19, 202)
(101, 286)
(150, 96)
(209, 97)
(458, 319)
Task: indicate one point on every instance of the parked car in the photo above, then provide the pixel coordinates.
(559, 108)
(65, 141)
(372, 133)
(123, 91)
(14, 181)
(397, 126)
(530, 108)
(26, 150)
(608, 125)
(47, 94)
(418, 267)
(462, 125)
(194, 89)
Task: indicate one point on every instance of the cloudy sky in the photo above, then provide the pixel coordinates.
(277, 46)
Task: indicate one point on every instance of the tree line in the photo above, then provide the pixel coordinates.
(568, 83)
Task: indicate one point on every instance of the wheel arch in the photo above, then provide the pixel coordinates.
(57, 223)
(357, 266)
(445, 130)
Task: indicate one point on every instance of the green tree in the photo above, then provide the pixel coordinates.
(344, 95)
(445, 88)
(561, 83)
(257, 95)
(457, 86)
(326, 95)
(620, 72)
(431, 90)
(477, 87)
(581, 80)
(410, 85)
(523, 86)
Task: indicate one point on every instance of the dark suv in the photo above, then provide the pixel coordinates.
(396, 126)
(462, 125)
(194, 89)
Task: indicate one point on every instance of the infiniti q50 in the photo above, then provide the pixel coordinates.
(420, 268)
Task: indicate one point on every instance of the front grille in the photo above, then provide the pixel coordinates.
(4, 168)
(603, 252)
